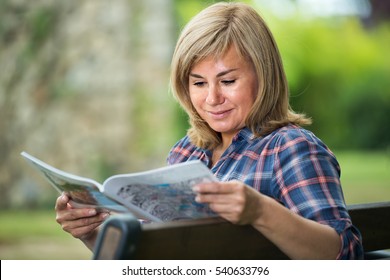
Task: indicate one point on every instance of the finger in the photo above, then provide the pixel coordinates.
(219, 198)
(74, 214)
(212, 187)
(62, 202)
(83, 232)
(82, 225)
(227, 193)
(226, 212)
(85, 221)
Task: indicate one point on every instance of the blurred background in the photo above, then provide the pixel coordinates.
(84, 86)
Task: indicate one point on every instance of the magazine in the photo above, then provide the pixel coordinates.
(158, 195)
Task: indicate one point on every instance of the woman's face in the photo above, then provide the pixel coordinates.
(223, 91)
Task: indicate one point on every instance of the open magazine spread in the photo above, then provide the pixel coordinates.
(163, 194)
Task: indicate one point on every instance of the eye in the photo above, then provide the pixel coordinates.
(199, 84)
(228, 82)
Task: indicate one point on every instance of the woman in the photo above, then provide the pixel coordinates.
(228, 75)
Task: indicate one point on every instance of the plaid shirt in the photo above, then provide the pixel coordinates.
(291, 165)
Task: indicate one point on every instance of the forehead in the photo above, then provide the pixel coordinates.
(230, 58)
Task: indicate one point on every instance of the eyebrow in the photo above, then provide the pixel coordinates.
(218, 75)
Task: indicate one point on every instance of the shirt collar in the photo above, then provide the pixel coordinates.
(244, 134)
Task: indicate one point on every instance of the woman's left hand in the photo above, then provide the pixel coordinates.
(233, 200)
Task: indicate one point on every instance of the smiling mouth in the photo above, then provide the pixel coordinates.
(219, 114)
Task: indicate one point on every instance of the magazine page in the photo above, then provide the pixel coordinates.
(83, 191)
(163, 194)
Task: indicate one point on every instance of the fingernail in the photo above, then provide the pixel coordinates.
(92, 212)
(195, 188)
(105, 215)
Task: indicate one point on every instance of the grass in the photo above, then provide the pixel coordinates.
(17, 223)
(35, 234)
(28, 235)
(365, 176)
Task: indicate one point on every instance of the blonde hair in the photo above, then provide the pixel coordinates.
(212, 32)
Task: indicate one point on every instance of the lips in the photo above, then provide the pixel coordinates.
(219, 114)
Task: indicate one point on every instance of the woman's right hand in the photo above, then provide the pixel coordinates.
(82, 223)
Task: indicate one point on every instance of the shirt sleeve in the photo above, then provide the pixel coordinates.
(307, 181)
(180, 152)
(184, 150)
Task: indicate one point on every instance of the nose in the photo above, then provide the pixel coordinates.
(214, 96)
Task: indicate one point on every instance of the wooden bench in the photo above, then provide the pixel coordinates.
(123, 237)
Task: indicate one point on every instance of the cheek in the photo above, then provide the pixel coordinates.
(196, 99)
(247, 104)
(196, 105)
(243, 96)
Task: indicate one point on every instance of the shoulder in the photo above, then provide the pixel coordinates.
(293, 144)
(291, 136)
(182, 151)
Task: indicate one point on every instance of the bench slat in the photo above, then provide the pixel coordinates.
(207, 239)
(218, 239)
(373, 222)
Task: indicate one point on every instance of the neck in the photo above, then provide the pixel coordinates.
(220, 149)
(227, 139)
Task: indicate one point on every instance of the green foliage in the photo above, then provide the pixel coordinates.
(41, 25)
(185, 9)
(103, 168)
(338, 73)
